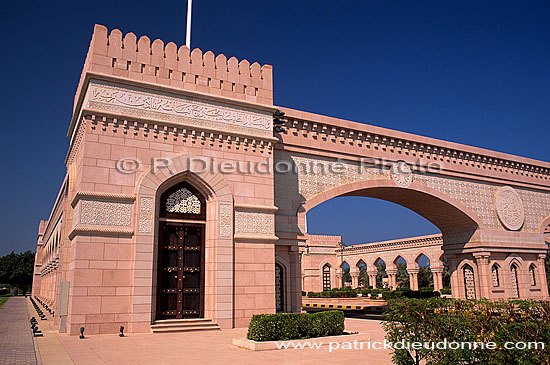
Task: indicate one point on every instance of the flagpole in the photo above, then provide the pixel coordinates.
(188, 32)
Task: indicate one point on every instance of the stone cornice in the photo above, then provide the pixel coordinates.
(394, 145)
(256, 208)
(95, 195)
(255, 238)
(422, 241)
(100, 231)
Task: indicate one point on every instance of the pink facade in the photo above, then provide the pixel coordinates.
(164, 137)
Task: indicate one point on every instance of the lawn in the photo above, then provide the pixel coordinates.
(4, 298)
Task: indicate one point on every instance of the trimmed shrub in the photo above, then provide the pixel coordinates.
(4, 291)
(470, 321)
(291, 326)
(446, 291)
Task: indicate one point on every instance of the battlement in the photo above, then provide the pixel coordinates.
(140, 60)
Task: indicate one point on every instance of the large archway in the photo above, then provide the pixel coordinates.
(456, 222)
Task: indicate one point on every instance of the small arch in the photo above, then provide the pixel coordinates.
(495, 275)
(363, 280)
(469, 281)
(533, 275)
(514, 280)
(381, 274)
(346, 274)
(423, 259)
(326, 272)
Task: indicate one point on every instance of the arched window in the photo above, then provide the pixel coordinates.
(532, 275)
(184, 202)
(326, 277)
(514, 280)
(495, 276)
(469, 282)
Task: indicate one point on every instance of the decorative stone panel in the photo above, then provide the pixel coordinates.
(401, 174)
(146, 215)
(225, 220)
(510, 208)
(254, 223)
(103, 213)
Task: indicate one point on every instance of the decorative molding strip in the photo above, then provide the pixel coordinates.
(256, 208)
(146, 215)
(101, 196)
(164, 130)
(100, 231)
(226, 218)
(255, 238)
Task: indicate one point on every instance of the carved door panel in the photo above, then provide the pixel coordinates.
(180, 271)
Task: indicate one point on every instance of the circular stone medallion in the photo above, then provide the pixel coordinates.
(401, 174)
(510, 208)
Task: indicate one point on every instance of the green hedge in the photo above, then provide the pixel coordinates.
(334, 293)
(470, 321)
(446, 291)
(4, 291)
(290, 326)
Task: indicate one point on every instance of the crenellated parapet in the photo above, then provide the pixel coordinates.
(165, 64)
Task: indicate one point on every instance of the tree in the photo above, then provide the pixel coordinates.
(403, 280)
(363, 276)
(425, 277)
(381, 266)
(346, 276)
(446, 274)
(17, 269)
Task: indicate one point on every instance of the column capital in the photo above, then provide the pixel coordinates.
(391, 271)
(482, 257)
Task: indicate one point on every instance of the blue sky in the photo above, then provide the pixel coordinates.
(474, 72)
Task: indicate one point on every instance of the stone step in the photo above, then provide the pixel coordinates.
(184, 325)
(184, 321)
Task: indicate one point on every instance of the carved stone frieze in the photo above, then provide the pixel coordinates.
(179, 109)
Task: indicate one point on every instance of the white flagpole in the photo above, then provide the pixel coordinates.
(188, 33)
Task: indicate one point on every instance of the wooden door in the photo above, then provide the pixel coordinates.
(181, 271)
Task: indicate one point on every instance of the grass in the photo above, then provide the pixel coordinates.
(4, 298)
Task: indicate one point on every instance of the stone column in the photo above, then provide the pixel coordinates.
(413, 278)
(354, 278)
(338, 283)
(457, 289)
(483, 282)
(372, 278)
(437, 278)
(542, 276)
(392, 276)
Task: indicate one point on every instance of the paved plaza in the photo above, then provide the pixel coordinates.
(208, 347)
(16, 341)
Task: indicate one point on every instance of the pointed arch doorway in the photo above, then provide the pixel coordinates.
(180, 273)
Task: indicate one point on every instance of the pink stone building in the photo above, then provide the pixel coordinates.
(183, 203)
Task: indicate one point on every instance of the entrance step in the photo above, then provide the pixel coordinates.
(184, 325)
